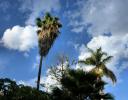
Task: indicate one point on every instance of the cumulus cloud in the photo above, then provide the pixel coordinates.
(20, 38)
(113, 45)
(36, 7)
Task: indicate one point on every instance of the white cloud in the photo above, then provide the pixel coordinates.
(113, 45)
(104, 15)
(23, 83)
(86, 68)
(20, 38)
(31, 82)
(77, 29)
(37, 7)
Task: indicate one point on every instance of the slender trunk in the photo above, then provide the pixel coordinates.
(39, 72)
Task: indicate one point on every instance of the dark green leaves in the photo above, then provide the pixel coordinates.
(9, 90)
(38, 22)
(47, 33)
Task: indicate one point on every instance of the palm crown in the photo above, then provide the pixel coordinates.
(99, 59)
(47, 32)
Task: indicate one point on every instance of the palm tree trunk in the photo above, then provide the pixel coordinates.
(39, 72)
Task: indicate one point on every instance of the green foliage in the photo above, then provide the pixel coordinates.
(78, 85)
(74, 84)
(9, 90)
(38, 22)
(48, 32)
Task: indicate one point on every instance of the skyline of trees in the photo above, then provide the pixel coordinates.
(74, 84)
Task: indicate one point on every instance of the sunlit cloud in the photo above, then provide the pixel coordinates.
(20, 38)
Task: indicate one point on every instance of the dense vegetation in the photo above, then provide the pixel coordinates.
(9, 90)
(75, 85)
(78, 85)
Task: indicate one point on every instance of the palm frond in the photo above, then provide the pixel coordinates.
(38, 22)
(99, 50)
(81, 61)
(99, 55)
(108, 58)
(108, 73)
(88, 61)
(90, 50)
(108, 96)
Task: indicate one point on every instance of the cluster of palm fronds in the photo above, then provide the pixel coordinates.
(48, 30)
(98, 59)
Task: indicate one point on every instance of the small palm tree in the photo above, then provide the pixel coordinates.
(99, 59)
(48, 31)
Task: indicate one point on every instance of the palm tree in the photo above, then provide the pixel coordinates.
(48, 31)
(78, 85)
(99, 59)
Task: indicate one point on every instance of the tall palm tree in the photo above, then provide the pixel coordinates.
(48, 30)
(99, 59)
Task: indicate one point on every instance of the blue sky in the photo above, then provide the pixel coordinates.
(93, 23)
